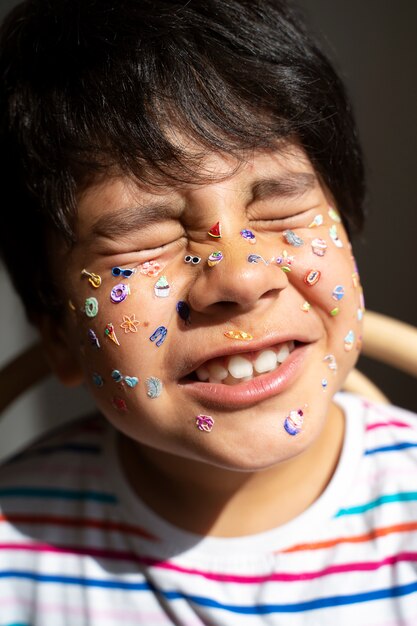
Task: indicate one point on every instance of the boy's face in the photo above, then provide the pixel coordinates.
(232, 362)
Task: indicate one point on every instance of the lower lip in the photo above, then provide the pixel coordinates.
(242, 395)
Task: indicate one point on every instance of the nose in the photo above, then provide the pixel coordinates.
(236, 284)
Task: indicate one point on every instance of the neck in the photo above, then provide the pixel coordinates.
(235, 503)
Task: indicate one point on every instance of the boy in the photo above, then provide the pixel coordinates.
(183, 176)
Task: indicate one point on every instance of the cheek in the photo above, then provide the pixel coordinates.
(324, 273)
(120, 328)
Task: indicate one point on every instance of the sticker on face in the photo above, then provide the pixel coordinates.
(312, 277)
(153, 387)
(319, 246)
(334, 215)
(334, 236)
(131, 381)
(93, 279)
(285, 261)
(248, 235)
(110, 333)
(292, 239)
(91, 307)
(338, 292)
(130, 324)
(162, 288)
(349, 341)
(215, 258)
(294, 422)
(158, 336)
(151, 268)
(241, 335)
(317, 221)
(93, 338)
(183, 311)
(119, 293)
(204, 423)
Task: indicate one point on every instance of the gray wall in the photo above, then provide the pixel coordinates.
(374, 45)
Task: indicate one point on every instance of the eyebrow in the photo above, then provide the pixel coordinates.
(292, 185)
(123, 221)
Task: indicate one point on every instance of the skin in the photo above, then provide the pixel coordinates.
(250, 474)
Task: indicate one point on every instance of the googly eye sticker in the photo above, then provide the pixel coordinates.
(194, 260)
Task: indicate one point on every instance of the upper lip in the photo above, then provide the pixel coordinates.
(243, 347)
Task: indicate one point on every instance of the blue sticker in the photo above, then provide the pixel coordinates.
(159, 335)
(183, 311)
(97, 380)
(153, 387)
(338, 292)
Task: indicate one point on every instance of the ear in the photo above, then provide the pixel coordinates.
(60, 350)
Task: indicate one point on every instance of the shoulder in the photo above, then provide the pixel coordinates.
(383, 420)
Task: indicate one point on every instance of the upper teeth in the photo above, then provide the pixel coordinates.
(240, 367)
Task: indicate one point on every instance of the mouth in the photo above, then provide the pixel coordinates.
(238, 368)
(245, 379)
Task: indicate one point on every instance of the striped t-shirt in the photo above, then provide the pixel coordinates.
(78, 548)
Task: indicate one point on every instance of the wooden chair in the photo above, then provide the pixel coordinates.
(384, 339)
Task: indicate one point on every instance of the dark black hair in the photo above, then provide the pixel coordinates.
(92, 86)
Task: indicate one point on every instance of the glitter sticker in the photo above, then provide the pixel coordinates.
(319, 246)
(91, 307)
(294, 422)
(306, 306)
(204, 423)
(338, 292)
(159, 335)
(324, 384)
(293, 239)
(162, 288)
(214, 258)
(153, 387)
(93, 279)
(109, 332)
(119, 293)
(131, 381)
(317, 221)
(349, 340)
(330, 359)
(248, 235)
(334, 311)
(183, 311)
(93, 338)
(151, 268)
(238, 334)
(215, 231)
(334, 236)
(312, 277)
(130, 323)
